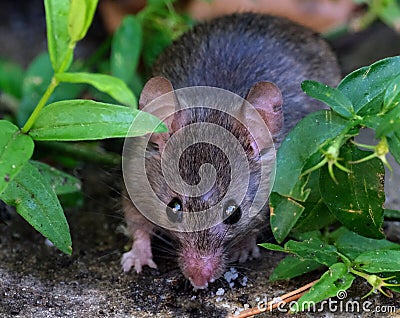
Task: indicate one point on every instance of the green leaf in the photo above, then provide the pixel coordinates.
(113, 86)
(57, 32)
(80, 18)
(313, 249)
(366, 86)
(125, 49)
(357, 200)
(316, 214)
(394, 145)
(37, 203)
(290, 186)
(11, 78)
(392, 95)
(284, 214)
(379, 261)
(299, 145)
(60, 182)
(333, 281)
(15, 151)
(352, 245)
(90, 120)
(38, 77)
(273, 247)
(330, 96)
(392, 214)
(292, 266)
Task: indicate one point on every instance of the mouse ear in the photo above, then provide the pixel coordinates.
(164, 108)
(267, 99)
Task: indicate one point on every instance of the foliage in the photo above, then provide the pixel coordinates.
(323, 179)
(47, 110)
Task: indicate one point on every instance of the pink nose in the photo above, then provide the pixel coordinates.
(202, 269)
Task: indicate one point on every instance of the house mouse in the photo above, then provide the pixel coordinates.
(249, 59)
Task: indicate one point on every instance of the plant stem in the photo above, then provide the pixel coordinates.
(50, 89)
(53, 84)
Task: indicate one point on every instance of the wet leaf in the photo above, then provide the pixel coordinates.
(330, 96)
(379, 261)
(333, 281)
(357, 200)
(366, 86)
(352, 245)
(292, 266)
(15, 151)
(36, 202)
(90, 120)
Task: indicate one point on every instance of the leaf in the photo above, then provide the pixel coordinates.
(333, 281)
(57, 32)
(313, 249)
(113, 86)
(366, 86)
(392, 214)
(89, 120)
(125, 49)
(60, 182)
(352, 245)
(38, 77)
(299, 145)
(292, 266)
(394, 146)
(290, 186)
(273, 247)
(284, 214)
(80, 18)
(379, 261)
(15, 151)
(357, 200)
(37, 203)
(392, 95)
(11, 78)
(330, 96)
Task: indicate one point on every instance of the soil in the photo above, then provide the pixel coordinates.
(36, 280)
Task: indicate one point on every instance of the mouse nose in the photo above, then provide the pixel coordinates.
(202, 269)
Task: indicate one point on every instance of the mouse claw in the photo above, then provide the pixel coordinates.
(140, 255)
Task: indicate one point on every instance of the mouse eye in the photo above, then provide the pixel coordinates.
(174, 211)
(233, 213)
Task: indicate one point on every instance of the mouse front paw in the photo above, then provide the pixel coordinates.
(246, 250)
(140, 255)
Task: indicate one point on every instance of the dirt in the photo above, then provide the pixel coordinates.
(36, 280)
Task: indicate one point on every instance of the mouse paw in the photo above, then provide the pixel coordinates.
(140, 255)
(246, 250)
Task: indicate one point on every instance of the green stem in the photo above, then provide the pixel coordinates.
(53, 84)
(50, 89)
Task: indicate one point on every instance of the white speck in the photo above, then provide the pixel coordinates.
(231, 275)
(226, 305)
(13, 166)
(218, 299)
(193, 297)
(47, 242)
(231, 284)
(246, 306)
(220, 292)
(244, 281)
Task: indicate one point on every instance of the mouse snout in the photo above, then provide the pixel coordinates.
(202, 268)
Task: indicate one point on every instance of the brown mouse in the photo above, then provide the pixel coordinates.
(260, 60)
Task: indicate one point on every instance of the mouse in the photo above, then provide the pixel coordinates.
(250, 61)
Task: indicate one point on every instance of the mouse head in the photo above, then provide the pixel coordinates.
(211, 159)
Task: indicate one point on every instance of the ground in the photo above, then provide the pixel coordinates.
(36, 280)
